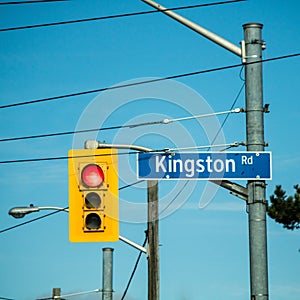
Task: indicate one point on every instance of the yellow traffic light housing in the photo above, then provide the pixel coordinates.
(93, 195)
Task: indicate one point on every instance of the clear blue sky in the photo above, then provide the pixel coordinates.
(204, 252)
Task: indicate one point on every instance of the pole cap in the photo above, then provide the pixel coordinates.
(253, 25)
(107, 249)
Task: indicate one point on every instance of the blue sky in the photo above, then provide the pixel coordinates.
(204, 252)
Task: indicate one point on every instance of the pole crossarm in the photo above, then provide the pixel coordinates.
(197, 28)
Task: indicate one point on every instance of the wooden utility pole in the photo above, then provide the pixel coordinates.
(153, 241)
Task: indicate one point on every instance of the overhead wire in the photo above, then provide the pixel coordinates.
(165, 150)
(65, 157)
(231, 145)
(227, 116)
(132, 184)
(29, 2)
(116, 16)
(147, 81)
(160, 122)
(119, 86)
(176, 196)
(143, 82)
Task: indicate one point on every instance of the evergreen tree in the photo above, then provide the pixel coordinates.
(285, 210)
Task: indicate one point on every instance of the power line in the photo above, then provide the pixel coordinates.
(177, 195)
(59, 158)
(29, 2)
(233, 104)
(161, 122)
(61, 133)
(126, 186)
(65, 157)
(118, 86)
(235, 144)
(146, 81)
(115, 16)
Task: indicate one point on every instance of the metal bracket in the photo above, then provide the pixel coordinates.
(234, 188)
(265, 109)
(244, 55)
(251, 198)
(265, 144)
(243, 48)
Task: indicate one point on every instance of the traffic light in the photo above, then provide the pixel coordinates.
(93, 195)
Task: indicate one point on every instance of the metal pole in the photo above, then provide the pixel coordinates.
(153, 242)
(107, 274)
(255, 142)
(56, 293)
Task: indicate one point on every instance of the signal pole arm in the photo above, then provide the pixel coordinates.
(199, 29)
(91, 144)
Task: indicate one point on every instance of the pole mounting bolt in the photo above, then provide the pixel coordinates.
(266, 108)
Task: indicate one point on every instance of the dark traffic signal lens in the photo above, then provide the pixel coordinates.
(93, 221)
(92, 200)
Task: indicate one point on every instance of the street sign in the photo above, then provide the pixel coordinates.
(205, 165)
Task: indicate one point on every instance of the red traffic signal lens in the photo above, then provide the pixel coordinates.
(92, 176)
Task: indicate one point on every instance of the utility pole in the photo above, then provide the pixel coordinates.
(153, 242)
(256, 202)
(254, 193)
(107, 274)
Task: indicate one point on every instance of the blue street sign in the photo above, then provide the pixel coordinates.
(205, 165)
